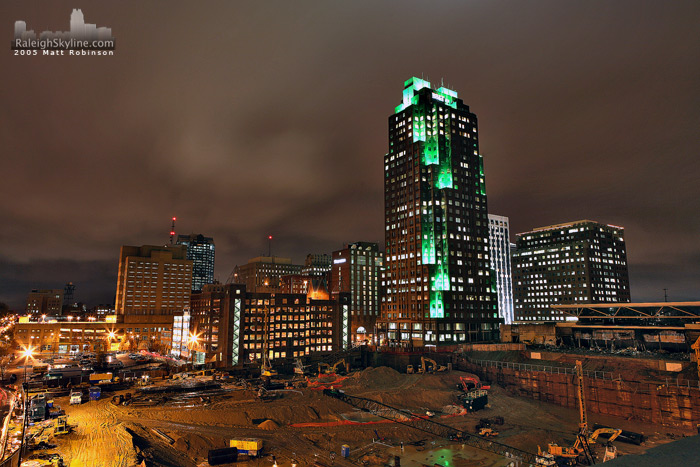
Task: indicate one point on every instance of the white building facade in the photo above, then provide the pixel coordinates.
(500, 246)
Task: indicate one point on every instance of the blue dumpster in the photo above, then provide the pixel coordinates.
(95, 393)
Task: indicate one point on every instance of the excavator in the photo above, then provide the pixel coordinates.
(428, 365)
(468, 383)
(325, 368)
(581, 447)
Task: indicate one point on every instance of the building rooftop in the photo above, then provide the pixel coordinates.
(570, 224)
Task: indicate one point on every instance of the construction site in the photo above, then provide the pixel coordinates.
(484, 405)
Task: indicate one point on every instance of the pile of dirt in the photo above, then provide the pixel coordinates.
(452, 409)
(268, 425)
(374, 378)
(196, 446)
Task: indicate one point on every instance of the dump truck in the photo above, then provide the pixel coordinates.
(250, 446)
(37, 408)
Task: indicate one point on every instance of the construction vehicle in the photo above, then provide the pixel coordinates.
(428, 365)
(325, 368)
(299, 368)
(487, 432)
(468, 383)
(613, 432)
(249, 446)
(61, 427)
(580, 451)
(37, 408)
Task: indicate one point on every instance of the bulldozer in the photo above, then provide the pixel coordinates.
(487, 432)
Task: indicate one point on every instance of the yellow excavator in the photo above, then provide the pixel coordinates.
(325, 368)
(428, 365)
(583, 438)
(580, 447)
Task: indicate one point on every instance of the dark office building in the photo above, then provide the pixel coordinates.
(44, 302)
(317, 265)
(573, 263)
(439, 287)
(356, 271)
(264, 273)
(201, 251)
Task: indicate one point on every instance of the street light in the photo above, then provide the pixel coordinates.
(27, 353)
(110, 336)
(192, 342)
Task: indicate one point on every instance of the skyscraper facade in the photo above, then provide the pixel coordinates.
(576, 262)
(201, 251)
(357, 272)
(499, 244)
(439, 287)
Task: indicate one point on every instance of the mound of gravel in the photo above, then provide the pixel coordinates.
(268, 425)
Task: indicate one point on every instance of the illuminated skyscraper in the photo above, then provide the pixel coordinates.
(439, 287)
(499, 242)
(201, 251)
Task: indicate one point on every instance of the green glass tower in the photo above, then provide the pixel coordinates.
(439, 289)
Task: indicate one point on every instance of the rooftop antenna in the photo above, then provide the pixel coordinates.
(665, 295)
(172, 231)
(269, 246)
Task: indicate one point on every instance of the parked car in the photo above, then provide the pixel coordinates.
(76, 397)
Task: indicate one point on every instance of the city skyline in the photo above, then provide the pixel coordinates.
(276, 126)
(79, 30)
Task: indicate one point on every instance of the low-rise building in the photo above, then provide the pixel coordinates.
(64, 336)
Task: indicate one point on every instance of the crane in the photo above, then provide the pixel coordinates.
(580, 446)
(266, 370)
(434, 428)
(583, 420)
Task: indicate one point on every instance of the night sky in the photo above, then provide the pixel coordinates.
(245, 119)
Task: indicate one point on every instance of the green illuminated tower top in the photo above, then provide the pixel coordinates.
(438, 282)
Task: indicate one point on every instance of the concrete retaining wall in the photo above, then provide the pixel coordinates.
(658, 403)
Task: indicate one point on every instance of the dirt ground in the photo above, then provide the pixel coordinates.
(306, 426)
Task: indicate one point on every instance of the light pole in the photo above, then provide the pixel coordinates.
(192, 341)
(28, 353)
(110, 336)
